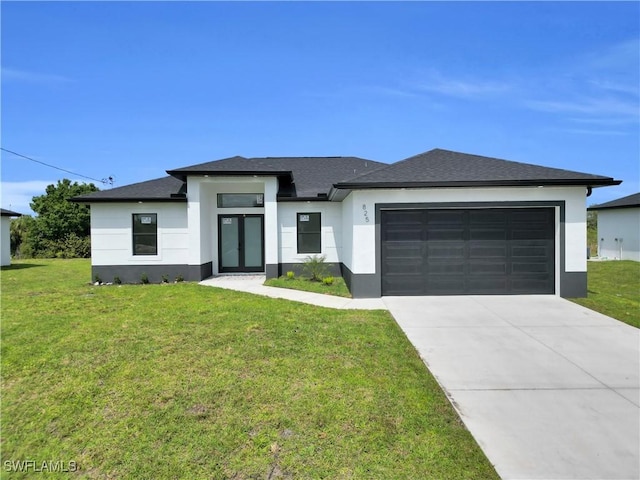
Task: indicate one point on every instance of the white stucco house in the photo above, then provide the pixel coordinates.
(5, 235)
(437, 223)
(619, 228)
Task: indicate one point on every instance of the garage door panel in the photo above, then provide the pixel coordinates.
(469, 251)
(487, 250)
(487, 285)
(445, 250)
(403, 284)
(488, 268)
(444, 284)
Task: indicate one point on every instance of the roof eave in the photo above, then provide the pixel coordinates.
(183, 174)
(87, 200)
(619, 207)
(480, 183)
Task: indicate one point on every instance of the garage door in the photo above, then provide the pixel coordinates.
(471, 251)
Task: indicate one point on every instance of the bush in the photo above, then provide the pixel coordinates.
(315, 268)
(328, 280)
(290, 275)
(165, 278)
(144, 278)
(117, 281)
(179, 278)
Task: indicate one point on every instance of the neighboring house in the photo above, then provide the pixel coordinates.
(619, 228)
(437, 223)
(5, 235)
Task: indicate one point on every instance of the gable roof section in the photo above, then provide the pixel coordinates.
(165, 189)
(630, 201)
(444, 168)
(9, 213)
(300, 177)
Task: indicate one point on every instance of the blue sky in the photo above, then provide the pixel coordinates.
(131, 89)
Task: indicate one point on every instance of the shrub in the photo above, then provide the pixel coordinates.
(179, 278)
(144, 278)
(117, 280)
(290, 275)
(315, 268)
(97, 279)
(165, 278)
(328, 280)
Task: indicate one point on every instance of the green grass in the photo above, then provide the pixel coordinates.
(338, 288)
(186, 381)
(614, 289)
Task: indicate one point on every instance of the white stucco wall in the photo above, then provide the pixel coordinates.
(363, 203)
(332, 228)
(619, 234)
(111, 234)
(5, 240)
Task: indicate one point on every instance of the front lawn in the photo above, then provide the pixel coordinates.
(186, 381)
(338, 287)
(614, 289)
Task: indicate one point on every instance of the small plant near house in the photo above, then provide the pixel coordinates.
(328, 280)
(179, 278)
(315, 268)
(144, 278)
(117, 281)
(291, 275)
(165, 278)
(97, 280)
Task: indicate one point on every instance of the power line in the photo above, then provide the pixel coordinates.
(104, 181)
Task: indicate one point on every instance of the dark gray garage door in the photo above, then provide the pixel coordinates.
(472, 251)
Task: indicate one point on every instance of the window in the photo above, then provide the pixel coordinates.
(239, 200)
(145, 234)
(309, 233)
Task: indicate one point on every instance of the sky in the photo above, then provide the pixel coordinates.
(131, 89)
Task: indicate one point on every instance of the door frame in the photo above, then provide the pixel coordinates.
(241, 268)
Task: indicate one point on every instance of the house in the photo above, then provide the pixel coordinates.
(619, 228)
(438, 223)
(5, 235)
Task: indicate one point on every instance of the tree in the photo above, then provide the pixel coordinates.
(61, 228)
(21, 246)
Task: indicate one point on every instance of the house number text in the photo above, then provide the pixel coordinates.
(365, 213)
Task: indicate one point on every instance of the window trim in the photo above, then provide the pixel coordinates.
(299, 233)
(134, 235)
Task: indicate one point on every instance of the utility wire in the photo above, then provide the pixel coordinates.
(103, 181)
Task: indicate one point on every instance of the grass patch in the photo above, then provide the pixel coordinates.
(614, 289)
(185, 381)
(338, 287)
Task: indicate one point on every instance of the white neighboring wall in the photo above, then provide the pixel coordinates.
(5, 240)
(111, 234)
(619, 234)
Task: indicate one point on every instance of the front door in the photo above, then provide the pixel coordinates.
(241, 243)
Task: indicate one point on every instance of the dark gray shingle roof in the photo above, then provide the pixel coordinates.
(446, 168)
(630, 201)
(9, 213)
(300, 177)
(314, 177)
(165, 189)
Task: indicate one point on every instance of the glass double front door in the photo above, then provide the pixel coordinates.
(241, 243)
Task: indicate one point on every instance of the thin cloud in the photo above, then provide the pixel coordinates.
(461, 88)
(588, 106)
(13, 74)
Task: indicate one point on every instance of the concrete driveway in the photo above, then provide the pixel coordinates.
(549, 389)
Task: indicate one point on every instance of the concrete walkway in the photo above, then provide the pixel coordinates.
(254, 284)
(549, 389)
